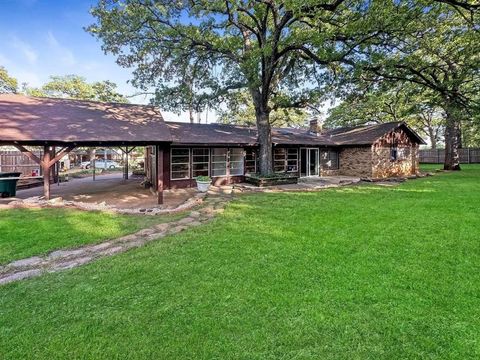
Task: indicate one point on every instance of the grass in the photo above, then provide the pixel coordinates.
(367, 272)
(28, 232)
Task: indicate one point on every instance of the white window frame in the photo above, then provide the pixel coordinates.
(287, 159)
(202, 162)
(241, 162)
(189, 161)
(220, 162)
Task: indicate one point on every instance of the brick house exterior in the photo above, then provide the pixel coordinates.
(177, 153)
(228, 153)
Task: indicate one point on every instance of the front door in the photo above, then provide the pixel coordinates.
(309, 162)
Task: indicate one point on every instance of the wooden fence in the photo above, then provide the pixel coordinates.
(437, 156)
(15, 161)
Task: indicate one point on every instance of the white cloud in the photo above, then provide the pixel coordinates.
(25, 48)
(63, 54)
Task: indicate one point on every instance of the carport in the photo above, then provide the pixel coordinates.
(59, 126)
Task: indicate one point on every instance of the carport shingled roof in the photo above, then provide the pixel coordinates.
(31, 119)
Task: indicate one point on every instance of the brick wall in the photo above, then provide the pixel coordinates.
(356, 161)
(382, 164)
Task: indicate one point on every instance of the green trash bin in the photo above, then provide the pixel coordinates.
(8, 187)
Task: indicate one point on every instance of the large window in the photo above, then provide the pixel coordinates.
(292, 160)
(279, 159)
(200, 162)
(285, 160)
(250, 161)
(329, 160)
(236, 161)
(219, 161)
(180, 164)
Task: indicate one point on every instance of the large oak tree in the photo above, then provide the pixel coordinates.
(280, 52)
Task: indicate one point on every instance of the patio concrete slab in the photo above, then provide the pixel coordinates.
(304, 184)
(111, 189)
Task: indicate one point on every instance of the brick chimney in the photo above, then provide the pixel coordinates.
(315, 127)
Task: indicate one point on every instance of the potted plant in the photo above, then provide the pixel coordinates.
(203, 183)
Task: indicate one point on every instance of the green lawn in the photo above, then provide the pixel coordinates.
(367, 272)
(28, 232)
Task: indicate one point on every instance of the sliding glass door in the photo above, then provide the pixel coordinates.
(309, 162)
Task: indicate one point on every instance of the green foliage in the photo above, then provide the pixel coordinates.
(76, 87)
(200, 53)
(389, 102)
(348, 273)
(8, 84)
(240, 110)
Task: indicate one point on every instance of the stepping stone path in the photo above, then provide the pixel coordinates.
(69, 258)
(210, 205)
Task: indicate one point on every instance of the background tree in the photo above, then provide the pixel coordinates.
(8, 84)
(390, 102)
(76, 87)
(438, 50)
(277, 51)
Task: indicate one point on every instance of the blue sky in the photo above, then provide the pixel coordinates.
(39, 38)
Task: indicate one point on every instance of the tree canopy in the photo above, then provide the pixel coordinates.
(8, 84)
(76, 87)
(279, 52)
(283, 54)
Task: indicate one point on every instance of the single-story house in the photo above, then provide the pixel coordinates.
(229, 152)
(179, 152)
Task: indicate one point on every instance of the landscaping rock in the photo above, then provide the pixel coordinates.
(32, 261)
(145, 232)
(19, 276)
(111, 251)
(70, 264)
(59, 254)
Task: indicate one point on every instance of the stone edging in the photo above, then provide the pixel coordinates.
(69, 258)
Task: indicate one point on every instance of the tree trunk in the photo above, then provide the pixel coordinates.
(190, 114)
(452, 161)
(433, 137)
(265, 142)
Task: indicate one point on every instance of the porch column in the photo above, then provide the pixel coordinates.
(159, 174)
(126, 163)
(46, 171)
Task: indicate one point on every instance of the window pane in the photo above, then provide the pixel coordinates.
(180, 163)
(179, 152)
(200, 152)
(179, 167)
(180, 175)
(219, 172)
(200, 173)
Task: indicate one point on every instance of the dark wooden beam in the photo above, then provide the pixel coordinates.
(28, 154)
(61, 154)
(159, 174)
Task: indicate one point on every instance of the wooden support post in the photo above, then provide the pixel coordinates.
(159, 175)
(126, 163)
(46, 172)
